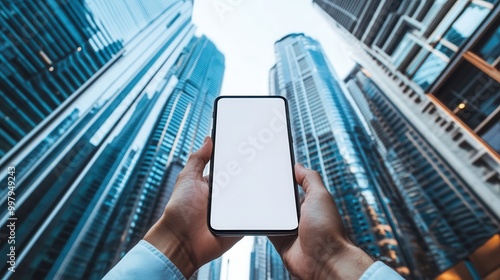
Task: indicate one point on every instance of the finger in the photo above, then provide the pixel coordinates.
(199, 159)
(228, 242)
(309, 180)
(301, 200)
(281, 243)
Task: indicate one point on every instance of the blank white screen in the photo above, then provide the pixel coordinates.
(253, 186)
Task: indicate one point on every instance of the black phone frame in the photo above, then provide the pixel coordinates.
(210, 181)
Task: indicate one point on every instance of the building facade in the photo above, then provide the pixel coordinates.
(180, 129)
(329, 137)
(447, 221)
(265, 262)
(93, 180)
(437, 62)
(210, 271)
(51, 50)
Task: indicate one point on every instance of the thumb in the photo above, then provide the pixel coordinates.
(310, 180)
(199, 159)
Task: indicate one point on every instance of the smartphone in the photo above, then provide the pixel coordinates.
(252, 182)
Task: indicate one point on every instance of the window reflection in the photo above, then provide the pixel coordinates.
(445, 50)
(428, 71)
(491, 134)
(466, 24)
(471, 95)
(489, 47)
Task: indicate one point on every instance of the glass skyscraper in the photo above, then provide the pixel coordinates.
(329, 137)
(181, 127)
(437, 62)
(265, 262)
(210, 271)
(101, 167)
(450, 222)
(52, 50)
(430, 69)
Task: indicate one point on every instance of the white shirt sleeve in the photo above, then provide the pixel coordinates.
(379, 270)
(144, 261)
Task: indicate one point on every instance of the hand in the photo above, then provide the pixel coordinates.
(182, 233)
(321, 250)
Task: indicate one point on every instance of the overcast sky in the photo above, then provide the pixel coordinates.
(245, 31)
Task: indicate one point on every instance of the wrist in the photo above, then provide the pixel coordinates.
(173, 246)
(348, 263)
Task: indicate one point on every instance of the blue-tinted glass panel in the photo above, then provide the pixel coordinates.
(445, 50)
(489, 48)
(471, 94)
(491, 135)
(466, 24)
(429, 71)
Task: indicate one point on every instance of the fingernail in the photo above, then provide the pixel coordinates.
(206, 139)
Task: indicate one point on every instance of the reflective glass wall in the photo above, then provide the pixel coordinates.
(447, 221)
(330, 138)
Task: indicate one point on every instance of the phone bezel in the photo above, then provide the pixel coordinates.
(292, 161)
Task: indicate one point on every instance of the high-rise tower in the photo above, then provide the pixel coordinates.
(180, 129)
(329, 137)
(52, 50)
(451, 222)
(92, 180)
(265, 262)
(437, 61)
(431, 69)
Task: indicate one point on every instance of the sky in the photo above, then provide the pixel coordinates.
(245, 32)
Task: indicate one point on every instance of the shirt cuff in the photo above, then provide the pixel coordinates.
(144, 261)
(379, 270)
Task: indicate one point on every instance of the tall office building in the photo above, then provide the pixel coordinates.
(51, 50)
(265, 262)
(94, 178)
(180, 129)
(329, 137)
(210, 271)
(437, 61)
(450, 221)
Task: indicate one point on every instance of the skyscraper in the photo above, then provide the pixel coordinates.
(210, 271)
(329, 137)
(180, 128)
(92, 180)
(437, 61)
(51, 51)
(265, 262)
(446, 221)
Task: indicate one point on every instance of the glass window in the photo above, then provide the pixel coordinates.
(470, 94)
(488, 48)
(491, 134)
(445, 50)
(412, 68)
(402, 50)
(429, 71)
(466, 24)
